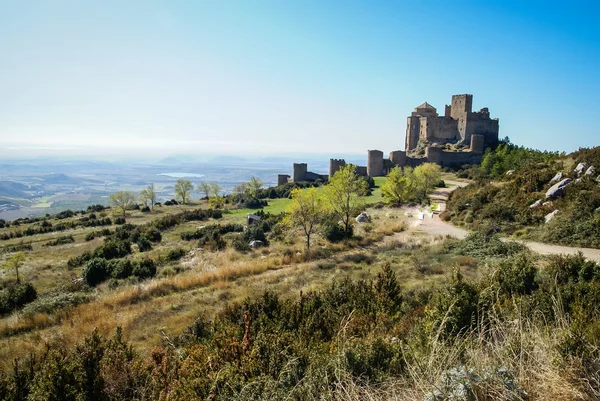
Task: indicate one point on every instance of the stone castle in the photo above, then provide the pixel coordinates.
(457, 138)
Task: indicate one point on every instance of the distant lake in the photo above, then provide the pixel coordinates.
(182, 175)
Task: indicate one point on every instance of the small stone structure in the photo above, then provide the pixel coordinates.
(472, 131)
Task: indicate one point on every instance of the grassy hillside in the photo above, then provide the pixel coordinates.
(168, 305)
(503, 202)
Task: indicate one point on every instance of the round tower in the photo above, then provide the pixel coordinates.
(398, 158)
(374, 163)
(335, 165)
(477, 143)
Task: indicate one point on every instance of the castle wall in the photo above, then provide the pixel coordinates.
(362, 171)
(335, 165)
(433, 154)
(398, 158)
(299, 171)
(480, 124)
(282, 179)
(439, 129)
(374, 163)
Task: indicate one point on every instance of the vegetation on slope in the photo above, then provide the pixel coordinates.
(504, 202)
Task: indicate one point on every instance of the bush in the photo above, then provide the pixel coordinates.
(144, 268)
(517, 275)
(254, 232)
(121, 269)
(120, 220)
(175, 254)
(96, 271)
(15, 296)
(144, 244)
(333, 231)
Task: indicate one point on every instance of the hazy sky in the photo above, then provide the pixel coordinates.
(290, 76)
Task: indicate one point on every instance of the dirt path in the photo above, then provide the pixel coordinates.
(433, 225)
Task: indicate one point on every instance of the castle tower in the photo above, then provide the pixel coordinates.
(398, 158)
(374, 163)
(413, 130)
(299, 172)
(477, 142)
(282, 179)
(335, 165)
(462, 105)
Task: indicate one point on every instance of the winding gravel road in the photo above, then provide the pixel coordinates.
(435, 226)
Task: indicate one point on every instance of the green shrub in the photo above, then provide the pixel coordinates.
(15, 296)
(144, 268)
(333, 231)
(96, 271)
(175, 254)
(144, 244)
(516, 275)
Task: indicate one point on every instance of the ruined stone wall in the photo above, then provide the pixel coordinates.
(335, 165)
(374, 163)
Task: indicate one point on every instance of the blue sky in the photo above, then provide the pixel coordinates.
(161, 77)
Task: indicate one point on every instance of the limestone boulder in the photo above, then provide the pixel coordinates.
(510, 172)
(363, 218)
(256, 244)
(590, 171)
(558, 189)
(557, 177)
(550, 216)
(580, 167)
(535, 204)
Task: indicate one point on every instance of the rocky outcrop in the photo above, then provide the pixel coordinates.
(590, 171)
(580, 167)
(558, 189)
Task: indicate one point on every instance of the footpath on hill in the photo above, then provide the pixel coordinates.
(433, 225)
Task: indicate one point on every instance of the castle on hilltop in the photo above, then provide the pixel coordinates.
(459, 123)
(457, 138)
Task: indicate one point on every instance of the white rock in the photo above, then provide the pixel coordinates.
(558, 189)
(510, 172)
(535, 204)
(557, 177)
(591, 170)
(550, 216)
(579, 169)
(363, 218)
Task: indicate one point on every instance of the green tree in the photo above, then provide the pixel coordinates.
(183, 189)
(15, 262)
(427, 176)
(215, 189)
(148, 195)
(205, 188)
(123, 200)
(343, 195)
(254, 186)
(306, 211)
(399, 186)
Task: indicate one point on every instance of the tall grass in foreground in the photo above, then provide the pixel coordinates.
(522, 358)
